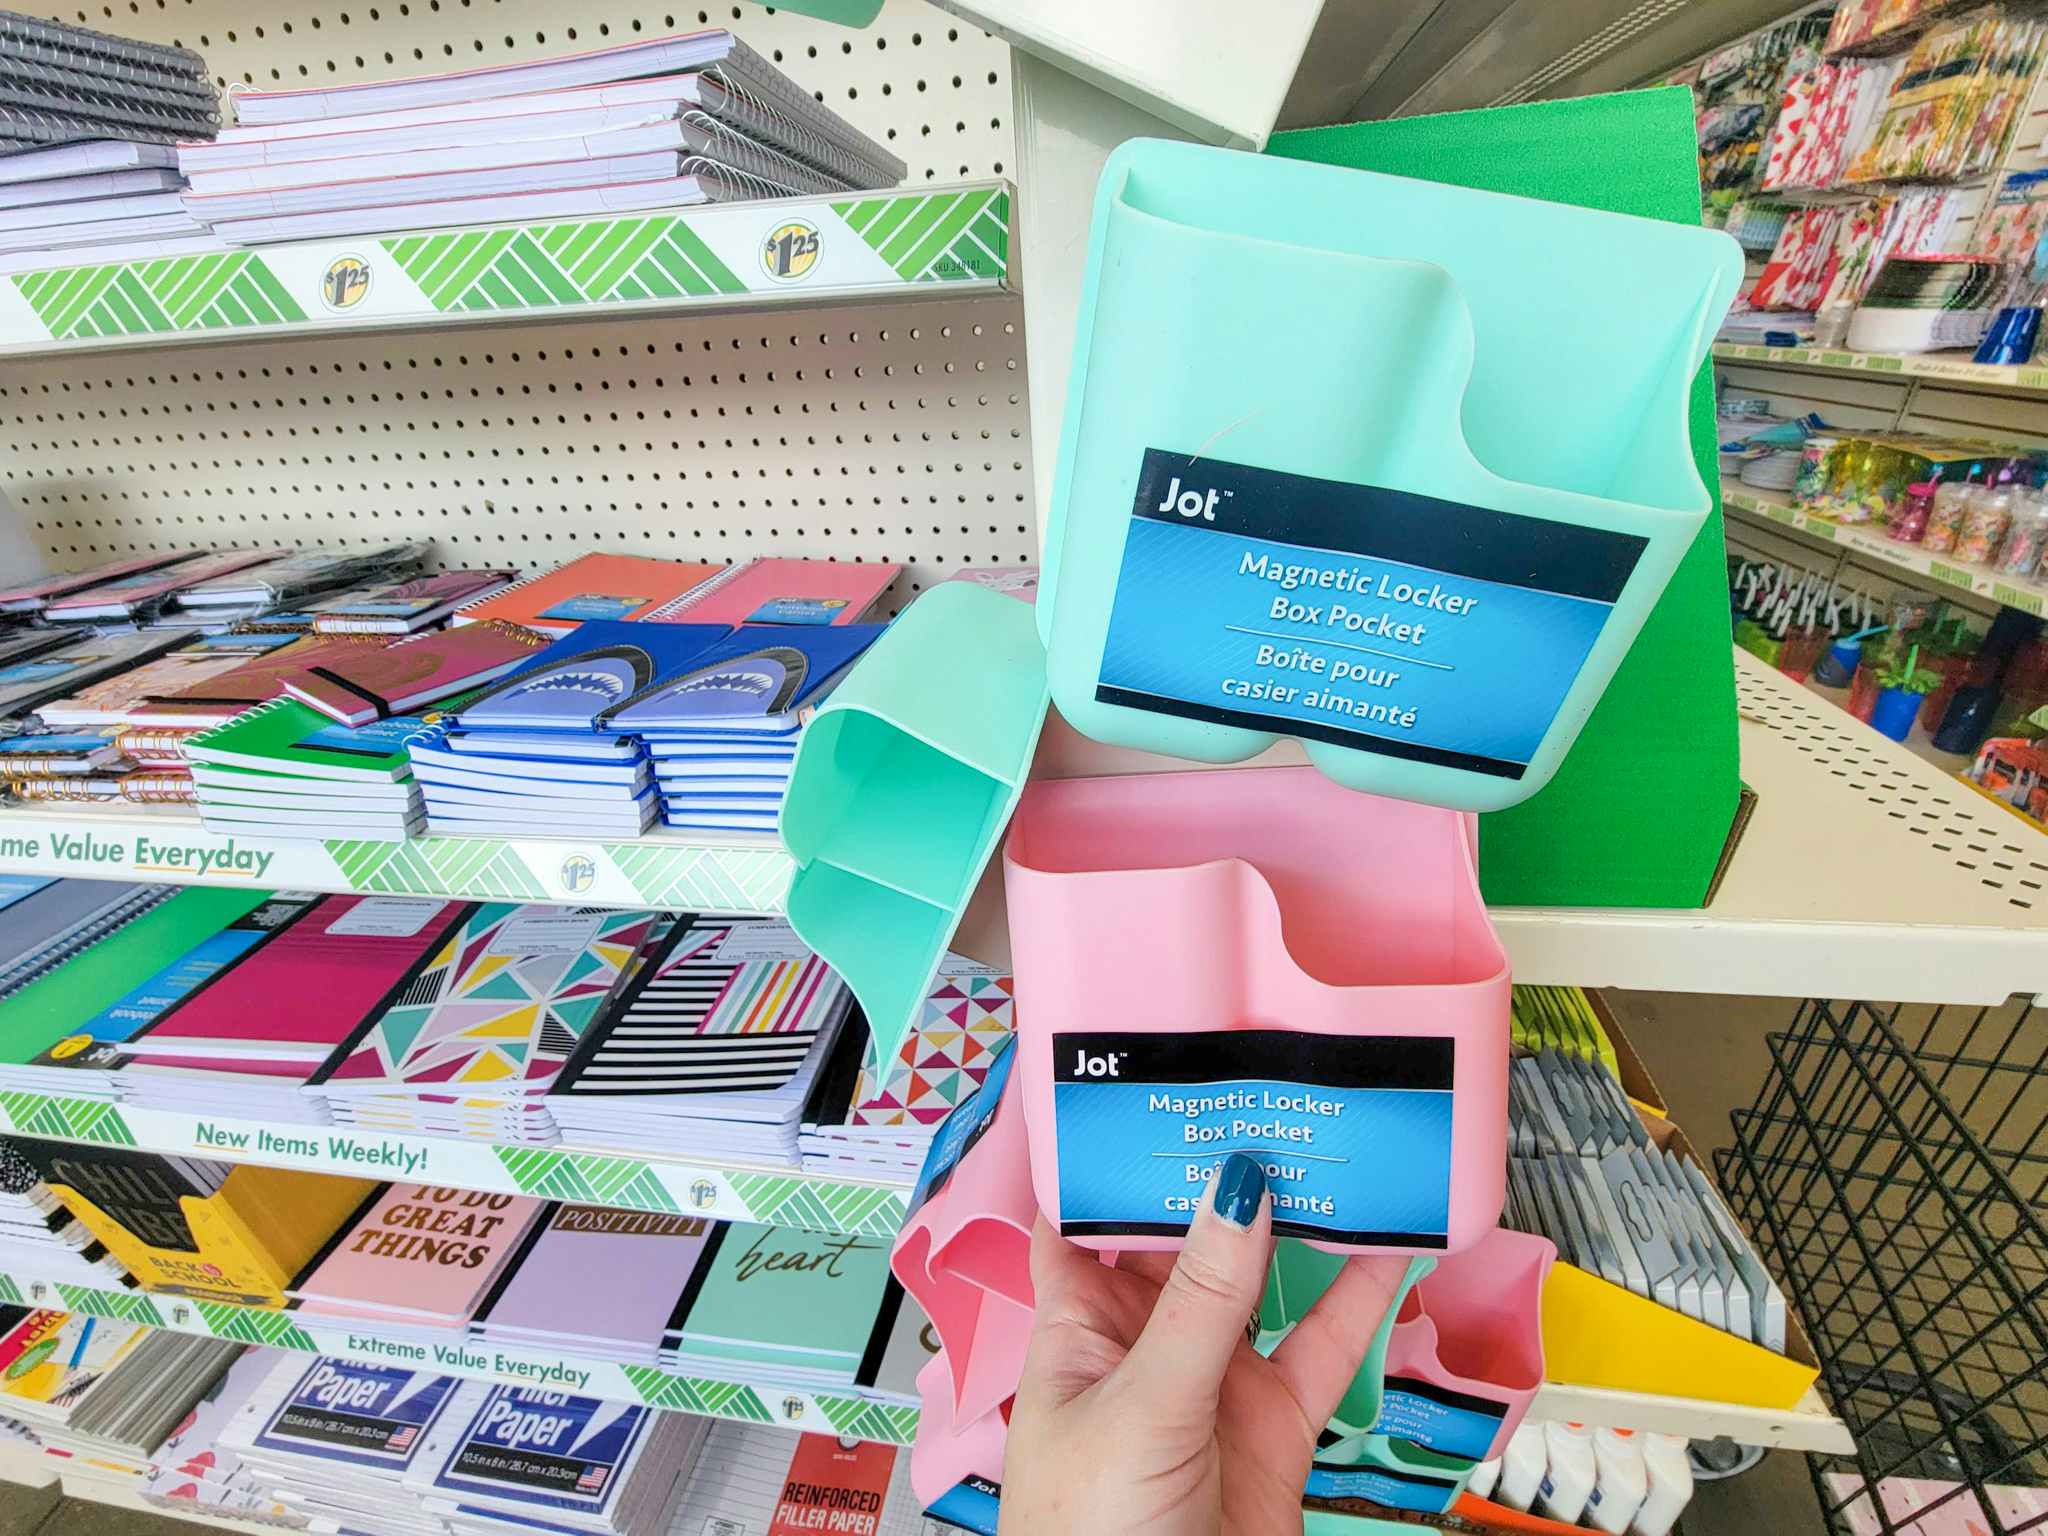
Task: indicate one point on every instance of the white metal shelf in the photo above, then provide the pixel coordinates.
(1863, 873)
(1952, 367)
(847, 1411)
(727, 1189)
(2030, 596)
(857, 247)
(1809, 1426)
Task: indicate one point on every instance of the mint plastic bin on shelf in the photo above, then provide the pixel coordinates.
(1393, 467)
(1322, 1522)
(902, 784)
(1257, 960)
(1466, 1356)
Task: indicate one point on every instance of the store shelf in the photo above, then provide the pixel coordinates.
(754, 1402)
(675, 1185)
(1952, 367)
(1864, 873)
(1807, 1427)
(787, 253)
(739, 873)
(2029, 596)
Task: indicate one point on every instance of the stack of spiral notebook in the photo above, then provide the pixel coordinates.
(658, 122)
(86, 125)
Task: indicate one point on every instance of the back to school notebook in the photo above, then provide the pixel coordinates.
(335, 964)
(772, 591)
(593, 586)
(290, 738)
(257, 681)
(370, 684)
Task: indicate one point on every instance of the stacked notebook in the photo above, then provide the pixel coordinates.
(519, 1460)
(1584, 1172)
(883, 1125)
(400, 607)
(192, 1472)
(752, 1478)
(47, 921)
(722, 729)
(298, 579)
(67, 1033)
(190, 1227)
(406, 675)
(470, 1040)
(139, 598)
(334, 1439)
(284, 769)
(86, 121)
(78, 662)
(790, 1308)
(418, 1261)
(662, 122)
(589, 1280)
(227, 1048)
(713, 1048)
(98, 1386)
(534, 754)
(39, 1237)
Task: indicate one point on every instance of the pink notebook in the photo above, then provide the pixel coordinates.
(419, 1252)
(34, 594)
(782, 592)
(116, 598)
(305, 989)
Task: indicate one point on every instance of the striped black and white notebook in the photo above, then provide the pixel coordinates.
(723, 1007)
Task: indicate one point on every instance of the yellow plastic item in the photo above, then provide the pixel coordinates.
(1595, 1334)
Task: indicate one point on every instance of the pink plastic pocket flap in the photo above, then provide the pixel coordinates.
(1257, 960)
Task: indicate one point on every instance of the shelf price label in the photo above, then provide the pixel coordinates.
(1950, 575)
(2013, 597)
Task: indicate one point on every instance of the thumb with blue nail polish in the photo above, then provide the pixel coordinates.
(1143, 1410)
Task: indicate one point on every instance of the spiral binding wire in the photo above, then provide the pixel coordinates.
(792, 172)
(707, 169)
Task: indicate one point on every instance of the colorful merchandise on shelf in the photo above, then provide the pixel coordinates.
(187, 1227)
(1953, 106)
(1796, 276)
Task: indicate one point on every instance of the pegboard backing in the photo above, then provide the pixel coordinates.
(932, 87)
(895, 434)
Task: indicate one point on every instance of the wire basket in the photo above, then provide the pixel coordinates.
(1892, 1171)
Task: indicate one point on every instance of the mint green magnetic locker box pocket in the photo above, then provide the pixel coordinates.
(1392, 467)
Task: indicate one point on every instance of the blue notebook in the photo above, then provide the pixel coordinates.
(756, 678)
(587, 674)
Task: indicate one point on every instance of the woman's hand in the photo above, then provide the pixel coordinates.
(1145, 1411)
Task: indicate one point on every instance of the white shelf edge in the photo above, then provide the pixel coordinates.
(1807, 1427)
(741, 874)
(2029, 596)
(728, 1190)
(674, 260)
(2019, 378)
(1864, 873)
(734, 1395)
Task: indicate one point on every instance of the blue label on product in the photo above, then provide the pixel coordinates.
(1439, 1419)
(798, 610)
(1354, 1131)
(956, 1136)
(594, 605)
(1396, 1490)
(379, 738)
(1367, 618)
(972, 1504)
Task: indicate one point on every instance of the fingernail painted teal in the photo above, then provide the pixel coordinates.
(1240, 1185)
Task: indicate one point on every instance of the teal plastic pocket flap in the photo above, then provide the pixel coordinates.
(1392, 467)
(902, 785)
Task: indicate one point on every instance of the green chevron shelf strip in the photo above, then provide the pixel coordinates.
(439, 866)
(942, 236)
(31, 1114)
(859, 1209)
(842, 1413)
(792, 250)
(588, 1179)
(689, 879)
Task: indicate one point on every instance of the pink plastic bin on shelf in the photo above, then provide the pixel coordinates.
(1466, 1355)
(1257, 960)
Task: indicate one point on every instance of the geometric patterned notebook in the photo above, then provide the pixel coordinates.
(498, 1007)
(967, 1019)
(722, 1006)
